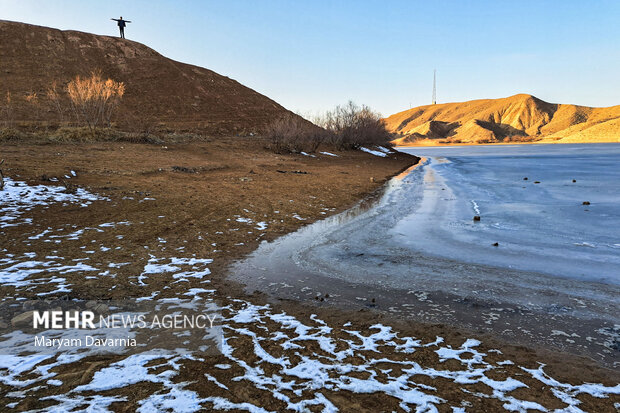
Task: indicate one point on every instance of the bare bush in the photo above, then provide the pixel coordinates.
(8, 110)
(54, 98)
(93, 99)
(293, 134)
(33, 101)
(352, 126)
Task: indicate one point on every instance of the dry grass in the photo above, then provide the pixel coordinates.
(72, 134)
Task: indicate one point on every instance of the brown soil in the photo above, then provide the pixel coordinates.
(198, 189)
(160, 92)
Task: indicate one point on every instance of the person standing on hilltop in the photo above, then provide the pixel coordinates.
(121, 25)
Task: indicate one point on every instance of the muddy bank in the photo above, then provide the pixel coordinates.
(177, 207)
(363, 259)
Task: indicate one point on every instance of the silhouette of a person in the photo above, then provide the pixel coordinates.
(121, 25)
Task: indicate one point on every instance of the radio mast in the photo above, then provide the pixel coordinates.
(434, 87)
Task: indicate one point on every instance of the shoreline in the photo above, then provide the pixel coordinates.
(213, 209)
(302, 286)
(431, 145)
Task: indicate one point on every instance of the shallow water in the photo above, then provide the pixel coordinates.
(553, 279)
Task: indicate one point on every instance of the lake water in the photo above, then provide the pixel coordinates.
(551, 279)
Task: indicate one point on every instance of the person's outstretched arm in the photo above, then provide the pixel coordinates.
(114, 19)
(127, 21)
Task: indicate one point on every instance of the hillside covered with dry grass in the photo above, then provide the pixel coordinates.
(158, 91)
(519, 118)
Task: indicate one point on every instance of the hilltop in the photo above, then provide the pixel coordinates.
(174, 95)
(519, 118)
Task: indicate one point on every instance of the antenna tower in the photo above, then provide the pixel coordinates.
(434, 87)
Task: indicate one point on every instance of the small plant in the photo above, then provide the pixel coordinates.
(70, 187)
(33, 100)
(55, 100)
(8, 110)
(94, 99)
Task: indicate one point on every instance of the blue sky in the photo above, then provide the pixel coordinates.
(311, 55)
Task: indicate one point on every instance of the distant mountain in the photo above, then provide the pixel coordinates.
(519, 118)
(175, 95)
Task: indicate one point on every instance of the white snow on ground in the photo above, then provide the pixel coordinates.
(328, 154)
(173, 265)
(18, 271)
(343, 357)
(355, 362)
(18, 197)
(373, 152)
(261, 226)
(384, 149)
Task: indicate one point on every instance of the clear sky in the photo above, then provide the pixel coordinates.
(310, 55)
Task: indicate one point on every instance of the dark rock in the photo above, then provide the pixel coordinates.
(525, 179)
(476, 218)
(496, 244)
(585, 203)
(184, 169)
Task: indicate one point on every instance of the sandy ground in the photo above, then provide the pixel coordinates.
(218, 200)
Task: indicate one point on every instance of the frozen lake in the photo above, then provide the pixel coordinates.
(552, 279)
(540, 223)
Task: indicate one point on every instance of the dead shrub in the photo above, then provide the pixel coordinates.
(294, 134)
(7, 110)
(94, 99)
(352, 126)
(55, 100)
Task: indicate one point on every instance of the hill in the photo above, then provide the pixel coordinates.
(172, 94)
(519, 118)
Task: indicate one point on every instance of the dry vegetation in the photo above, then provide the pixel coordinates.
(91, 100)
(343, 128)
